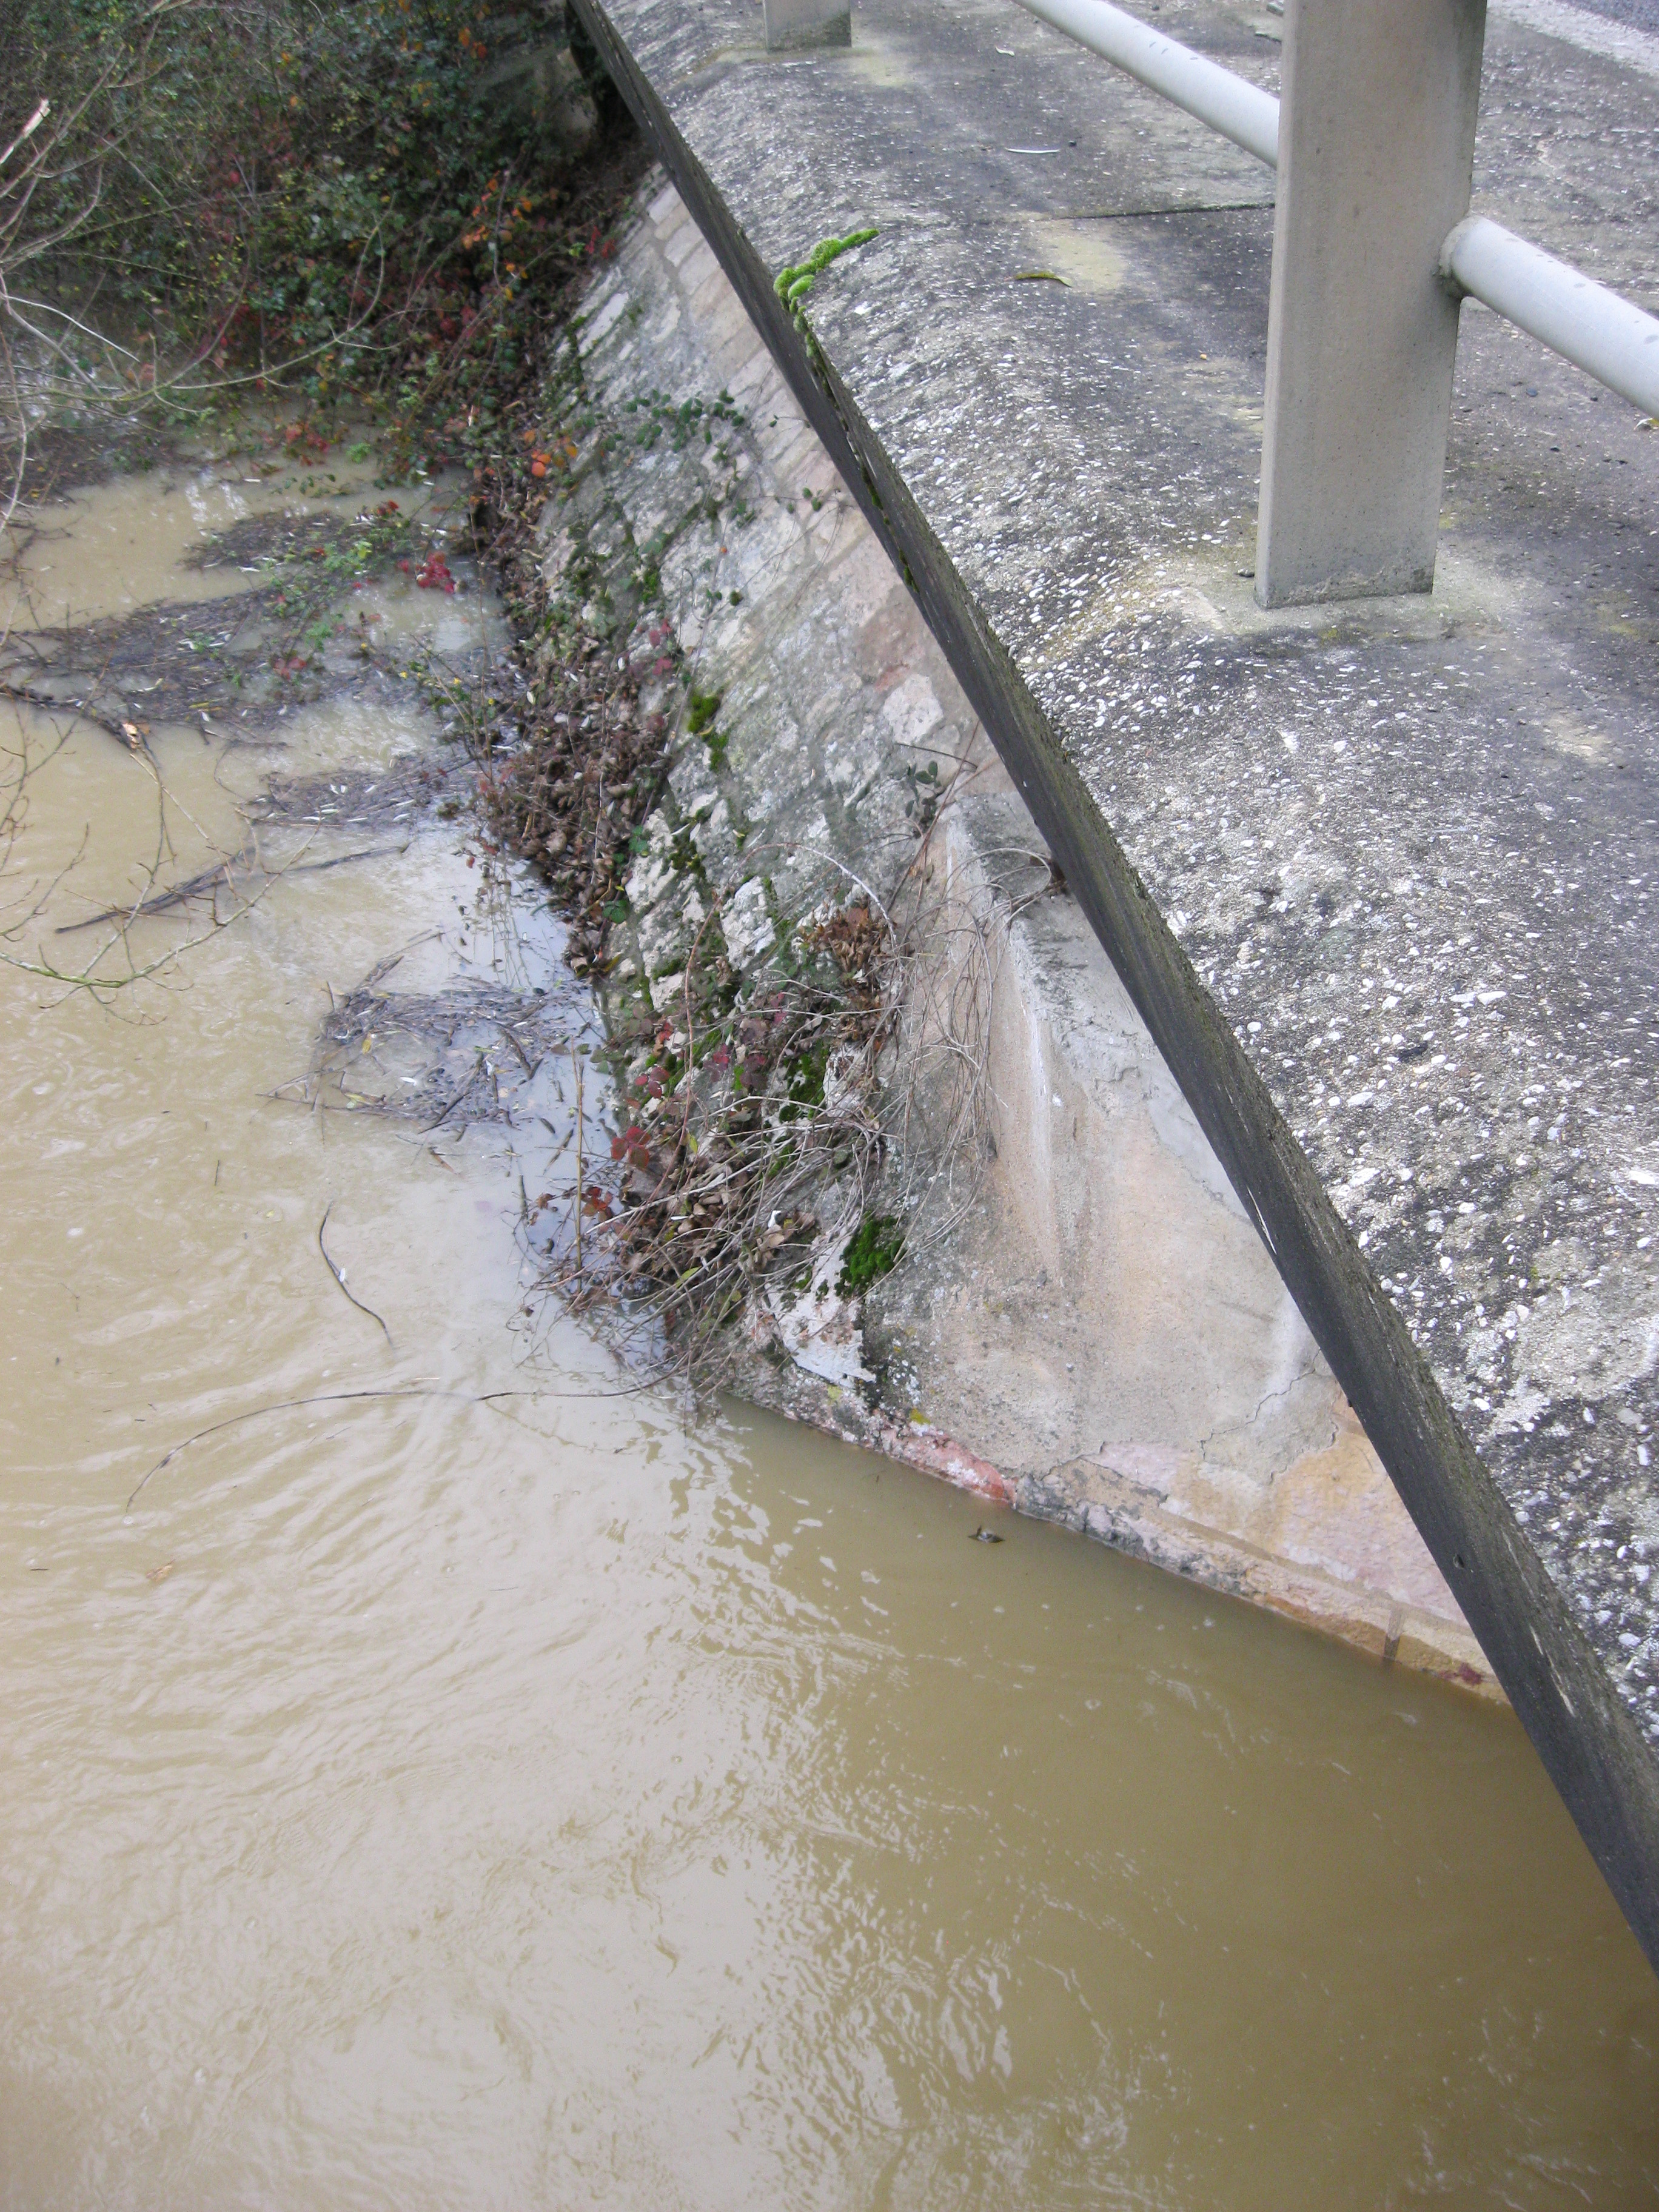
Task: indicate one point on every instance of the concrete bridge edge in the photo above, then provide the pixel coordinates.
(1589, 1744)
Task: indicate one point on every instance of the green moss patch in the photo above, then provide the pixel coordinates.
(874, 1250)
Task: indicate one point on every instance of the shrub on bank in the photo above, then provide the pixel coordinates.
(366, 203)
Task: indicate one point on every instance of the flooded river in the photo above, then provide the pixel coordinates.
(435, 1776)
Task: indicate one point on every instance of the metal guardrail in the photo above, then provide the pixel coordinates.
(1585, 322)
(1570, 312)
(1373, 142)
(1227, 102)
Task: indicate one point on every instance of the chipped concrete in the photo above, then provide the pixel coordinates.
(1379, 883)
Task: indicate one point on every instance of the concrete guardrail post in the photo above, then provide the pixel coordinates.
(1378, 99)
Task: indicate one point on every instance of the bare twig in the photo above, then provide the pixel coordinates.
(326, 1398)
(328, 1262)
(575, 1059)
(126, 732)
(208, 880)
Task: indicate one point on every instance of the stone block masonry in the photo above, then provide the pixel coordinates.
(1377, 879)
(1098, 1334)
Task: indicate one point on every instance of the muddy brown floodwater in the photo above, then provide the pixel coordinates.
(447, 1783)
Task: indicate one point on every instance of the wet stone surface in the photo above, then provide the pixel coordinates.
(1408, 847)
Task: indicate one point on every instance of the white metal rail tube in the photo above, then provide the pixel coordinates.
(1558, 305)
(1604, 335)
(1238, 110)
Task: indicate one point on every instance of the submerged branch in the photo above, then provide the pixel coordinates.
(328, 1262)
(326, 1398)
